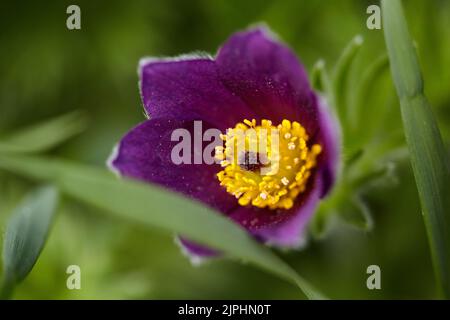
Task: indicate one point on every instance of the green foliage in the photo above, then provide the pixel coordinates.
(341, 80)
(47, 71)
(430, 160)
(133, 200)
(44, 136)
(362, 162)
(25, 236)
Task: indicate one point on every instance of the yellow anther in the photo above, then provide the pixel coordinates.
(291, 146)
(248, 122)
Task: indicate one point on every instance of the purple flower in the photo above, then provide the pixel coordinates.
(254, 82)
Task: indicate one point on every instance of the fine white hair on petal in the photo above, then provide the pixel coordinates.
(113, 156)
(195, 260)
(269, 33)
(196, 55)
(266, 30)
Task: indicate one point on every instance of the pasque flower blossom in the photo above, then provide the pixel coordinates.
(253, 83)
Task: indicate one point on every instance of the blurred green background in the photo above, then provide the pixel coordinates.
(47, 70)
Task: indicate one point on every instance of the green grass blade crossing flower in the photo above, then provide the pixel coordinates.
(429, 158)
(155, 207)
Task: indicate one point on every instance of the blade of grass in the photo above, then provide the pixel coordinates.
(44, 136)
(429, 159)
(155, 207)
(25, 236)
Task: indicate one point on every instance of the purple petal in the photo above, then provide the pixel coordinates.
(329, 137)
(268, 77)
(255, 219)
(290, 233)
(145, 154)
(253, 76)
(189, 87)
(195, 252)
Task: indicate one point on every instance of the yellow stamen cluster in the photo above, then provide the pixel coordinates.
(284, 162)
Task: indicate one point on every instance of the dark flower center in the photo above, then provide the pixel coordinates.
(251, 161)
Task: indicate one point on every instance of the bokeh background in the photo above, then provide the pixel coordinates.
(47, 70)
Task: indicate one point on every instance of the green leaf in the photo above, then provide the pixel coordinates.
(429, 159)
(340, 78)
(356, 213)
(353, 158)
(382, 173)
(156, 207)
(347, 204)
(363, 92)
(320, 222)
(26, 234)
(319, 77)
(44, 136)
